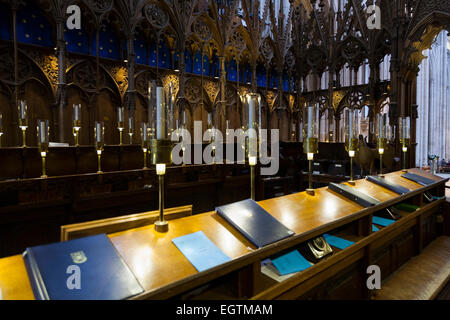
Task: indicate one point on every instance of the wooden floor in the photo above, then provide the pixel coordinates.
(423, 278)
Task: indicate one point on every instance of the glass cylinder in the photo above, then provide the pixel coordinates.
(351, 125)
(23, 113)
(405, 131)
(130, 127)
(99, 133)
(244, 115)
(162, 115)
(77, 116)
(253, 117)
(311, 129)
(300, 130)
(43, 135)
(120, 118)
(1, 123)
(145, 136)
(382, 131)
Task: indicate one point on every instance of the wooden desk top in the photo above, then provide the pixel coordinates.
(159, 265)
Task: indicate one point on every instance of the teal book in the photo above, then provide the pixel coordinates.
(382, 221)
(200, 251)
(337, 241)
(375, 228)
(290, 263)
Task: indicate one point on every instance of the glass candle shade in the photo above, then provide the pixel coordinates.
(23, 114)
(311, 129)
(43, 135)
(43, 142)
(99, 134)
(76, 122)
(145, 135)
(1, 127)
(120, 118)
(161, 127)
(77, 115)
(405, 131)
(382, 132)
(253, 117)
(351, 126)
(131, 128)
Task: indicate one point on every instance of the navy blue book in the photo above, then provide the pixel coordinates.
(103, 275)
(418, 179)
(255, 223)
(388, 185)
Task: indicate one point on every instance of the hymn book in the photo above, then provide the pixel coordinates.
(92, 263)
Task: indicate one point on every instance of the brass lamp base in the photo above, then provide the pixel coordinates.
(311, 192)
(161, 226)
(351, 182)
(405, 170)
(44, 176)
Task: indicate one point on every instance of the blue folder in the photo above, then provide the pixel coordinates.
(103, 273)
(418, 179)
(382, 221)
(374, 228)
(200, 251)
(290, 263)
(254, 223)
(337, 242)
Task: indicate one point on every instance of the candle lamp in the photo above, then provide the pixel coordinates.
(43, 142)
(252, 117)
(161, 146)
(76, 123)
(99, 132)
(351, 124)
(23, 121)
(145, 141)
(1, 128)
(131, 128)
(120, 123)
(405, 136)
(212, 131)
(382, 132)
(311, 138)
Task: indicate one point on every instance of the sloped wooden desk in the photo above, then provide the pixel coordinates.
(164, 272)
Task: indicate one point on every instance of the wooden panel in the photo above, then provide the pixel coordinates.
(116, 224)
(423, 277)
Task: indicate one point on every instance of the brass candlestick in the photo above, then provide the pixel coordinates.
(145, 142)
(161, 147)
(24, 138)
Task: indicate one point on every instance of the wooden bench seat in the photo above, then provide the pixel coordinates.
(422, 278)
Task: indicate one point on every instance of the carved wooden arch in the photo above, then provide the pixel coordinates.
(349, 101)
(107, 78)
(193, 94)
(47, 70)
